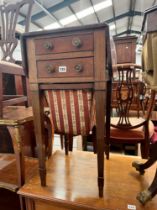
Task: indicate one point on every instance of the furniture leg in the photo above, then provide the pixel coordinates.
(16, 136)
(100, 131)
(29, 204)
(148, 194)
(153, 157)
(22, 203)
(71, 143)
(66, 143)
(39, 129)
(61, 141)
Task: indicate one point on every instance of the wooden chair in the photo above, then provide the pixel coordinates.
(149, 27)
(124, 128)
(9, 13)
(139, 100)
(8, 42)
(18, 119)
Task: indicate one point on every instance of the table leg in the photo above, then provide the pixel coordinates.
(16, 136)
(100, 133)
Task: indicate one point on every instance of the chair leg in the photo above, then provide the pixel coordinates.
(66, 144)
(107, 151)
(144, 150)
(71, 143)
(149, 193)
(84, 143)
(153, 157)
(61, 141)
(16, 136)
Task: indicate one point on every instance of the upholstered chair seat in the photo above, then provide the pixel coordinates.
(132, 135)
(72, 111)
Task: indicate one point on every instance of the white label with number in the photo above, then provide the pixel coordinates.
(131, 207)
(62, 69)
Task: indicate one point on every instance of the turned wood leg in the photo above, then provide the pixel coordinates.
(66, 143)
(61, 141)
(16, 136)
(71, 143)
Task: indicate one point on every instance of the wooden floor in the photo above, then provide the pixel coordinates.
(72, 184)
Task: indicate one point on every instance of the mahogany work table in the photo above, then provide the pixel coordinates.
(76, 58)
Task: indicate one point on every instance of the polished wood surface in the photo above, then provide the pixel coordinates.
(14, 115)
(61, 44)
(19, 122)
(125, 49)
(9, 174)
(71, 184)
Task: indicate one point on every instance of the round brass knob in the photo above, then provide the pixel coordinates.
(50, 68)
(76, 42)
(79, 67)
(48, 45)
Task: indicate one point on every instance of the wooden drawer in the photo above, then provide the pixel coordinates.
(83, 42)
(76, 67)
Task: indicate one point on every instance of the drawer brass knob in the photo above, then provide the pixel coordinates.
(76, 42)
(48, 45)
(50, 68)
(79, 67)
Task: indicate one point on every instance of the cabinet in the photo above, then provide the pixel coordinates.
(125, 49)
(69, 59)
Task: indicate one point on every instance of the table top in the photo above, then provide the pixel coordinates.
(72, 180)
(15, 115)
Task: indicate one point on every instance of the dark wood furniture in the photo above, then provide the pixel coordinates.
(19, 122)
(17, 119)
(125, 49)
(70, 189)
(65, 60)
(9, 14)
(9, 183)
(139, 88)
(149, 27)
(12, 84)
(125, 128)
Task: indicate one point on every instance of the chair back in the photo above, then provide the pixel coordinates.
(9, 14)
(8, 100)
(129, 92)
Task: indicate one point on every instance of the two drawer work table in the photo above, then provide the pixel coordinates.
(76, 58)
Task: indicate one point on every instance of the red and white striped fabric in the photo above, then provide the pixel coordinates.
(72, 111)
